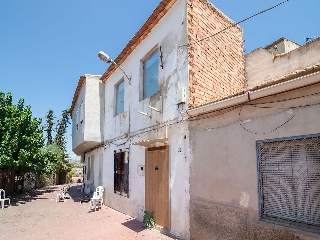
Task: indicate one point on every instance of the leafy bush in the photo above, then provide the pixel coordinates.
(148, 220)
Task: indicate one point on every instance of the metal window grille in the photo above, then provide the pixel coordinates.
(121, 173)
(289, 181)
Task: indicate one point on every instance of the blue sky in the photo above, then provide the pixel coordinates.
(45, 46)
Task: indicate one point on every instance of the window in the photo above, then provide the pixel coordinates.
(90, 169)
(88, 172)
(79, 115)
(121, 173)
(289, 181)
(150, 75)
(77, 119)
(119, 98)
(81, 112)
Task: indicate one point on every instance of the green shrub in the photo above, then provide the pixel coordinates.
(148, 220)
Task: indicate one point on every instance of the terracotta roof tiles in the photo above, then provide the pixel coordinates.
(152, 21)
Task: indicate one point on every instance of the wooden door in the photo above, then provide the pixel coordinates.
(157, 198)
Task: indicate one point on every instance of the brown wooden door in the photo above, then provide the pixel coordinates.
(157, 185)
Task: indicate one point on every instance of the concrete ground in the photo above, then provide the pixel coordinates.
(40, 217)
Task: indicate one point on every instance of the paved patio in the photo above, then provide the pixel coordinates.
(40, 217)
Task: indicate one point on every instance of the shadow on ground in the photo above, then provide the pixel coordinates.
(134, 225)
(76, 194)
(138, 226)
(31, 195)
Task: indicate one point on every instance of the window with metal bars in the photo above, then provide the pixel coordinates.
(121, 173)
(289, 180)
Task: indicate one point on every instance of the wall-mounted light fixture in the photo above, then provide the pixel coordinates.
(104, 57)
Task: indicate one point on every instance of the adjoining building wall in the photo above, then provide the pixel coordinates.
(93, 114)
(282, 46)
(216, 63)
(78, 135)
(269, 67)
(224, 173)
(94, 170)
(87, 115)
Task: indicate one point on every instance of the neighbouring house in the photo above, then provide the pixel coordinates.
(87, 113)
(255, 169)
(128, 128)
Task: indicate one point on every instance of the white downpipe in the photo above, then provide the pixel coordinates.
(264, 92)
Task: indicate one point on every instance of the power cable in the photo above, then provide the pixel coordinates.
(288, 120)
(235, 24)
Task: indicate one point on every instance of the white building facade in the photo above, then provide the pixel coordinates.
(143, 156)
(146, 115)
(141, 121)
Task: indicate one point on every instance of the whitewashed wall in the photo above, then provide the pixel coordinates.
(89, 132)
(170, 33)
(96, 158)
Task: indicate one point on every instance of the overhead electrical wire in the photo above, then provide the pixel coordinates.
(274, 129)
(235, 24)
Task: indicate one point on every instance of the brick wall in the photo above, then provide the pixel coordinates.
(216, 65)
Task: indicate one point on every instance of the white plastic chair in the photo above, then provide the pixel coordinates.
(62, 194)
(3, 198)
(97, 198)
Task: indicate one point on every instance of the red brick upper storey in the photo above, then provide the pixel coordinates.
(216, 64)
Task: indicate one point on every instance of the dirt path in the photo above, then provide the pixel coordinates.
(40, 217)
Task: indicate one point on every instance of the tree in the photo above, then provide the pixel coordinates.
(61, 130)
(52, 156)
(22, 145)
(60, 140)
(49, 126)
(6, 131)
(20, 136)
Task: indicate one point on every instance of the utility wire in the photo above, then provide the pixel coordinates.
(288, 120)
(235, 24)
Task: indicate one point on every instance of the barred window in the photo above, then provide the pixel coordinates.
(121, 173)
(290, 181)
